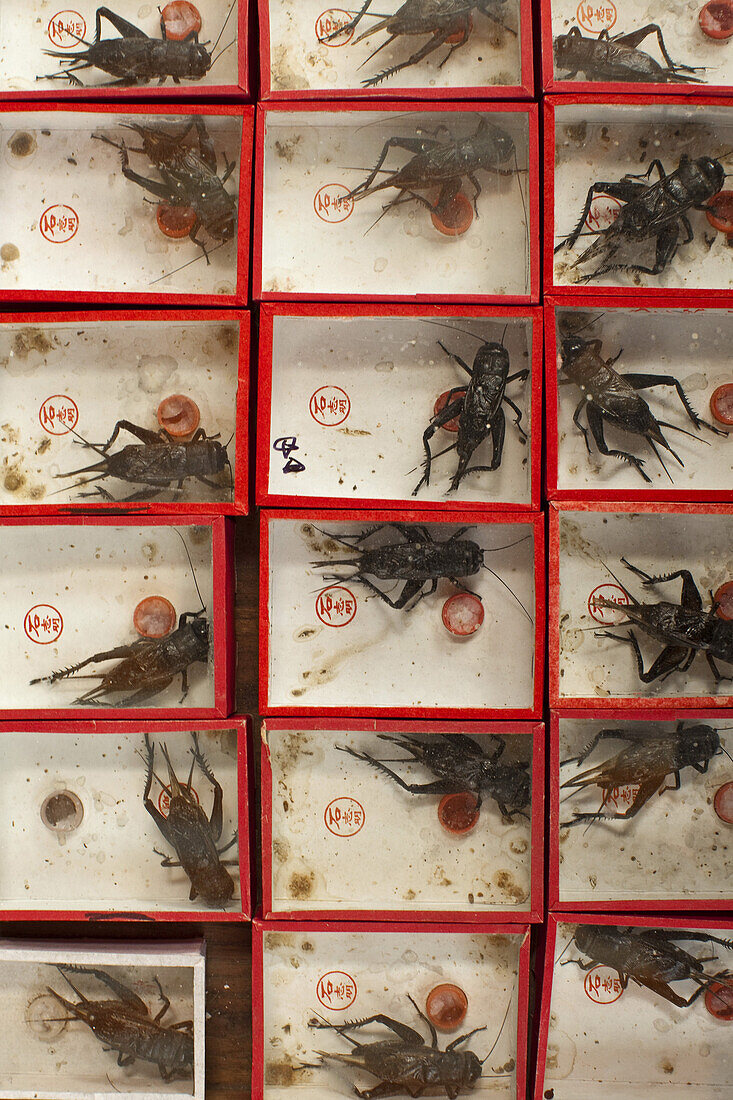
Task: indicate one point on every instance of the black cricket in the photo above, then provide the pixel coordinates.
(650, 957)
(648, 756)
(126, 1026)
(684, 628)
(618, 58)
(653, 212)
(160, 461)
(442, 164)
(188, 830)
(134, 58)
(145, 667)
(189, 176)
(478, 408)
(417, 558)
(441, 19)
(406, 1064)
(460, 764)
(611, 398)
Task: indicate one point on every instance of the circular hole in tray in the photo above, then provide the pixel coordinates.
(458, 812)
(446, 1006)
(62, 811)
(154, 617)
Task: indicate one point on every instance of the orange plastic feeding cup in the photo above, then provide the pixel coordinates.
(441, 402)
(721, 404)
(175, 221)
(154, 617)
(179, 415)
(463, 614)
(446, 1006)
(459, 812)
(716, 19)
(456, 218)
(180, 20)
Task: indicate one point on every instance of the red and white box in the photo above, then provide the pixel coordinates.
(576, 25)
(614, 865)
(363, 373)
(300, 60)
(600, 1039)
(600, 138)
(339, 972)
(651, 338)
(333, 647)
(312, 240)
(77, 588)
(220, 59)
(79, 231)
(421, 855)
(44, 1052)
(587, 544)
(77, 840)
(121, 366)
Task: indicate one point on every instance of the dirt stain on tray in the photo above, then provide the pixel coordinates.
(319, 543)
(31, 339)
(287, 149)
(228, 337)
(285, 1073)
(22, 144)
(301, 884)
(507, 885)
(9, 253)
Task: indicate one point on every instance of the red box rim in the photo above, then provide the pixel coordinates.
(243, 727)
(662, 704)
(523, 90)
(239, 298)
(268, 313)
(533, 188)
(639, 305)
(241, 466)
(260, 928)
(221, 553)
(533, 914)
(554, 289)
(412, 515)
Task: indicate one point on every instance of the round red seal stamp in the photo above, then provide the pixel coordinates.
(596, 17)
(329, 406)
(332, 203)
(602, 985)
(603, 213)
(336, 990)
(66, 28)
(43, 624)
(335, 606)
(59, 223)
(164, 802)
(608, 616)
(330, 22)
(58, 414)
(344, 816)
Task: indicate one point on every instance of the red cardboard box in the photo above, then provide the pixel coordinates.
(364, 373)
(341, 814)
(71, 589)
(311, 240)
(588, 546)
(622, 866)
(99, 862)
(78, 231)
(29, 33)
(596, 138)
(340, 972)
(382, 661)
(656, 337)
(119, 366)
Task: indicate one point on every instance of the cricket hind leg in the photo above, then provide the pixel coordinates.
(497, 431)
(624, 190)
(671, 659)
(595, 423)
(438, 39)
(647, 381)
(691, 598)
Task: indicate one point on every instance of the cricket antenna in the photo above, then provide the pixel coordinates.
(496, 1040)
(193, 571)
(457, 328)
(213, 48)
